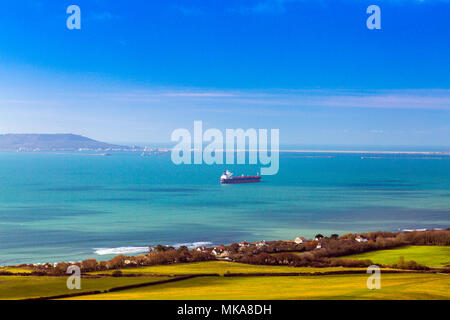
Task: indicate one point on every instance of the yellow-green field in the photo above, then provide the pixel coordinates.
(393, 286)
(16, 270)
(221, 267)
(431, 256)
(24, 287)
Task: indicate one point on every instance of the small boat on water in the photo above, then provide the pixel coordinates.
(227, 178)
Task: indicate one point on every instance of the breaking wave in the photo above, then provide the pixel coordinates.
(133, 250)
(120, 250)
(192, 245)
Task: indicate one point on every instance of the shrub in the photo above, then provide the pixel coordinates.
(349, 263)
(141, 260)
(102, 265)
(409, 265)
(60, 268)
(88, 265)
(116, 262)
(117, 273)
(334, 236)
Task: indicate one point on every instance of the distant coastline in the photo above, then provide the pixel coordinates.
(72, 142)
(369, 152)
(393, 152)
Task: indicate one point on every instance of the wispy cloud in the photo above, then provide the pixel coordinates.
(199, 94)
(420, 99)
(281, 6)
(433, 99)
(270, 6)
(266, 6)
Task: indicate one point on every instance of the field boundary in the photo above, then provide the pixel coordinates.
(275, 274)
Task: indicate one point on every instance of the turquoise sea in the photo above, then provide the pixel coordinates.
(56, 207)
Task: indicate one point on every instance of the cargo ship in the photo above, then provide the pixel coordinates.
(227, 178)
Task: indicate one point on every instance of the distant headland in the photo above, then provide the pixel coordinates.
(54, 142)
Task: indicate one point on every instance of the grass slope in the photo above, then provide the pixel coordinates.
(221, 267)
(432, 256)
(22, 287)
(393, 286)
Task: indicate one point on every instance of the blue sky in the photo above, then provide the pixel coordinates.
(138, 70)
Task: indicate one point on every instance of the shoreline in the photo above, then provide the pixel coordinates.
(134, 251)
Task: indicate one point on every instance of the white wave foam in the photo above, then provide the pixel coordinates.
(120, 250)
(132, 250)
(421, 229)
(192, 245)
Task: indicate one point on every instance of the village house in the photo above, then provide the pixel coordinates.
(361, 239)
(217, 250)
(244, 244)
(300, 240)
(201, 249)
(225, 254)
(319, 246)
(319, 237)
(261, 244)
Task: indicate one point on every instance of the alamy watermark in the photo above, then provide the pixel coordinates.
(190, 147)
(374, 20)
(374, 280)
(74, 280)
(74, 20)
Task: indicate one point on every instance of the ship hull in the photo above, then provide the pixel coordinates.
(234, 180)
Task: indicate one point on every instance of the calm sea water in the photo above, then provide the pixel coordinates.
(56, 207)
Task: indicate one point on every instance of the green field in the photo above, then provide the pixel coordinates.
(22, 287)
(221, 267)
(393, 286)
(431, 256)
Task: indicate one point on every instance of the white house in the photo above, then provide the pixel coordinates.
(300, 240)
(361, 239)
(319, 246)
